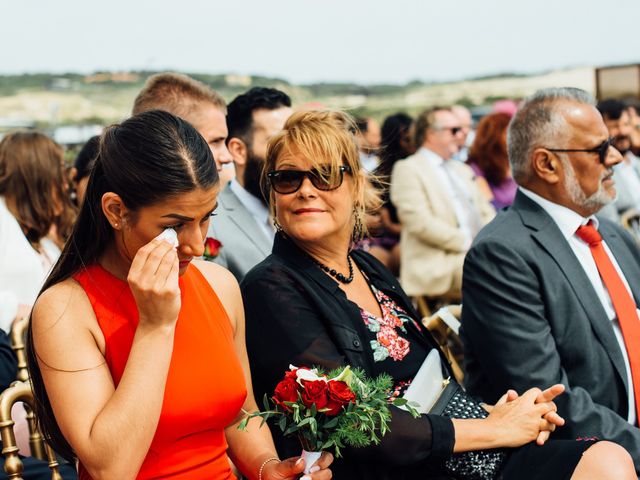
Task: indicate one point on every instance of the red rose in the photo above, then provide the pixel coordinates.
(291, 374)
(286, 391)
(211, 248)
(339, 395)
(315, 391)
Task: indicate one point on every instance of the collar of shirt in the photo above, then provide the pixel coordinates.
(567, 220)
(258, 210)
(432, 156)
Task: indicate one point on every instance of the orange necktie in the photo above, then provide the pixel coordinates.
(623, 303)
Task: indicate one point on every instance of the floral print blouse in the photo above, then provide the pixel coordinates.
(390, 340)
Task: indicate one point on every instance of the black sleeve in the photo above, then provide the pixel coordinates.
(8, 361)
(284, 326)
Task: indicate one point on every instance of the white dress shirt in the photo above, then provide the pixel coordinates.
(568, 222)
(22, 269)
(460, 198)
(256, 208)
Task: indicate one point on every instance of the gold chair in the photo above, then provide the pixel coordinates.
(444, 325)
(428, 304)
(17, 337)
(21, 392)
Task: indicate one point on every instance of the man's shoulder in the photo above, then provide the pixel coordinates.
(507, 227)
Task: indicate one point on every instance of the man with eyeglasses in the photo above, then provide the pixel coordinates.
(550, 292)
(440, 207)
(627, 173)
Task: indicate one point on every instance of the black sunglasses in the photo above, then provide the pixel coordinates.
(290, 181)
(453, 130)
(601, 149)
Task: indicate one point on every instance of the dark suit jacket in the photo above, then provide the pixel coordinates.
(532, 318)
(296, 314)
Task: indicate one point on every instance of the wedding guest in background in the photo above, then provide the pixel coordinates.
(489, 159)
(633, 108)
(33, 202)
(368, 138)
(198, 104)
(243, 224)
(315, 302)
(551, 292)
(467, 135)
(440, 206)
(82, 167)
(136, 350)
(397, 143)
(627, 172)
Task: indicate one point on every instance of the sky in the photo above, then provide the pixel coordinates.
(305, 41)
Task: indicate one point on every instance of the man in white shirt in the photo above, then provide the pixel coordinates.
(242, 222)
(440, 207)
(368, 139)
(626, 174)
(543, 303)
(468, 134)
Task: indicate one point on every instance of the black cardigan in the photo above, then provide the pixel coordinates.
(297, 314)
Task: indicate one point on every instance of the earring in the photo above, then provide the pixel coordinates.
(276, 225)
(358, 228)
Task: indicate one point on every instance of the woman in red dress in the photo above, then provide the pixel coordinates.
(136, 349)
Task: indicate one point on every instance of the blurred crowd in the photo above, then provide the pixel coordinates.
(435, 182)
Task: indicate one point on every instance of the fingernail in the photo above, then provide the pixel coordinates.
(314, 469)
(298, 461)
(306, 477)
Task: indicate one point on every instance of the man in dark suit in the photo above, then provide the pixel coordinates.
(539, 306)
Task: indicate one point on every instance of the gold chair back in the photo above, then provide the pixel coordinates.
(17, 337)
(21, 392)
(443, 325)
(630, 220)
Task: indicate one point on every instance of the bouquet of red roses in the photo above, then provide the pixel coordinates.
(331, 411)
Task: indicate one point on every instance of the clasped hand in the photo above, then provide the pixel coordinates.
(522, 419)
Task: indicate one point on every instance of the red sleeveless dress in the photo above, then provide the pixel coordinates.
(205, 386)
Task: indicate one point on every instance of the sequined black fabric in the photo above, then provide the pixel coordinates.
(477, 465)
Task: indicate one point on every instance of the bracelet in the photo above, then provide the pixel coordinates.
(264, 464)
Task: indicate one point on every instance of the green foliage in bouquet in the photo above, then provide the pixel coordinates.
(340, 409)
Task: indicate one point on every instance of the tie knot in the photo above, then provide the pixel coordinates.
(589, 234)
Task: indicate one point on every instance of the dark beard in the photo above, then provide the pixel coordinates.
(618, 140)
(251, 177)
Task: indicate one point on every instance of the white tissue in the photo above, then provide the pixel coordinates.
(170, 236)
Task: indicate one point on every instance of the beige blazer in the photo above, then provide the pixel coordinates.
(432, 245)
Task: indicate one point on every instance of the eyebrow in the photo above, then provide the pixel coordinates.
(182, 218)
(178, 217)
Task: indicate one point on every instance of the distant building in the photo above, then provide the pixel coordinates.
(619, 81)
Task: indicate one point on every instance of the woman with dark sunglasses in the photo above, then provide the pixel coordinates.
(313, 301)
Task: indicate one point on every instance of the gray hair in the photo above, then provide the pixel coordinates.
(538, 123)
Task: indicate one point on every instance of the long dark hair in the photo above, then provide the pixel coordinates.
(394, 128)
(147, 158)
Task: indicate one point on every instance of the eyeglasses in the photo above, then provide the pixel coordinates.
(601, 149)
(290, 181)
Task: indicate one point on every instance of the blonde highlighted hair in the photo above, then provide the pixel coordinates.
(324, 138)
